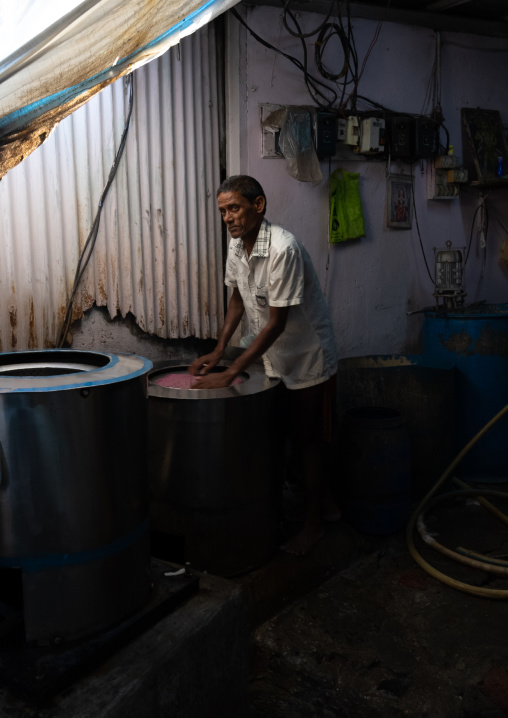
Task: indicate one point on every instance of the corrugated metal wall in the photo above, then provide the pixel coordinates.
(158, 253)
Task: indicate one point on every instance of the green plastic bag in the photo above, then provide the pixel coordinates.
(346, 216)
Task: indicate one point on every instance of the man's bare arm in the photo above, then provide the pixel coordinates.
(203, 364)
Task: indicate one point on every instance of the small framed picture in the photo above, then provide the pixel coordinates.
(399, 202)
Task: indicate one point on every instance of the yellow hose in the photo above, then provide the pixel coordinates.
(493, 509)
(465, 587)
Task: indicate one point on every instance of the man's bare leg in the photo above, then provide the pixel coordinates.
(309, 445)
(312, 530)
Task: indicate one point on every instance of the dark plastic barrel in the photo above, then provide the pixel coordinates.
(377, 473)
(475, 340)
(423, 390)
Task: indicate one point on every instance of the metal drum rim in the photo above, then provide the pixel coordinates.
(390, 362)
(256, 382)
(483, 312)
(118, 368)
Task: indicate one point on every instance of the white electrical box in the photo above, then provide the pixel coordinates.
(372, 136)
(270, 131)
(352, 131)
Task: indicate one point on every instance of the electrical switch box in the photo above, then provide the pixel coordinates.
(412, 137)
(426, 137)
(444, 183)
(372, 136)
(459, 174)
(325, 133)
(341, 129)
(446, 162)
(400, 136)
(352, 131)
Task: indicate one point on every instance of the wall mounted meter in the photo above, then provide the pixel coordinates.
(448, 287)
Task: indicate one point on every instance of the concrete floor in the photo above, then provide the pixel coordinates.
(382, 638)
(355, 629)
(193, 663)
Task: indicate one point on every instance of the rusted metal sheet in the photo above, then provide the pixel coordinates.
(158, 252)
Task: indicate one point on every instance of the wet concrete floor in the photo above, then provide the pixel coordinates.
(382, 638)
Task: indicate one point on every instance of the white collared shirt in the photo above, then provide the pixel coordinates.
(280, 273)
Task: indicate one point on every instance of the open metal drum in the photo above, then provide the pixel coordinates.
(214, 463)
(73, 494)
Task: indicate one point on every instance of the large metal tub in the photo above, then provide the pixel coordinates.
(73, 490)
(214, 463)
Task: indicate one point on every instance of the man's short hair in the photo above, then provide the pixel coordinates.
(247, 186)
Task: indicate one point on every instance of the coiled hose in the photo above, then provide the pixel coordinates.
(474, 559)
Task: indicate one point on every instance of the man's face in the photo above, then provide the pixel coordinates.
(242, 217)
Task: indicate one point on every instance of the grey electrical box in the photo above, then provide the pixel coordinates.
(412, 137)
(426, 137)
(400, 136)
(325, 133)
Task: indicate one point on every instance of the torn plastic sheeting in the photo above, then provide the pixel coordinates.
(17, 32)
(19, 145)
(125, 35)
(297, 145)
(275, 119)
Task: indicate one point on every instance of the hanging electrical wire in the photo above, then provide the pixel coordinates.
(367, 55)
(302, 36)
(324, 95)
(328, 31)
(429, 92)
(89, 245)
(325, 32)
(418, 226)
(313, 84)
(476, 49)
(471, 234)
(299, 34)
(484, 228)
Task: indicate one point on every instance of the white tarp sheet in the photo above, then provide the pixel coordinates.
(66, 64)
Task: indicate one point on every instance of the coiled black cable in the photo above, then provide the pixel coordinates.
(299, 34)
(311, 82)
(327, 32)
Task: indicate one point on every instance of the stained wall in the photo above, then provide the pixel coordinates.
(372, 283)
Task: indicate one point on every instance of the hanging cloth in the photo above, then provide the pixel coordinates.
(346, 216)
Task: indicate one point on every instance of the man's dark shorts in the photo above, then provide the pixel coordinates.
(309, 414)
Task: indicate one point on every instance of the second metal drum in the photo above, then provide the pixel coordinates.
(214, 465)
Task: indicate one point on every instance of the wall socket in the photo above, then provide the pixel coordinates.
(269, 135)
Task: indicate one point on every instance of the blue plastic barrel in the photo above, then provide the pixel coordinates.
(475, 341)
(376, 476)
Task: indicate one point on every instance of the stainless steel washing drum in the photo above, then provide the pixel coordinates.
(73, 491)
(214, 463)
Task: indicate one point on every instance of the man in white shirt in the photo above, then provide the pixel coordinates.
(275, 283)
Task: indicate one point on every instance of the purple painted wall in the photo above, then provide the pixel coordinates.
(373, 282)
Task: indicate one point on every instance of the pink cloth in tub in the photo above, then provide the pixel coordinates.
(180, 380)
